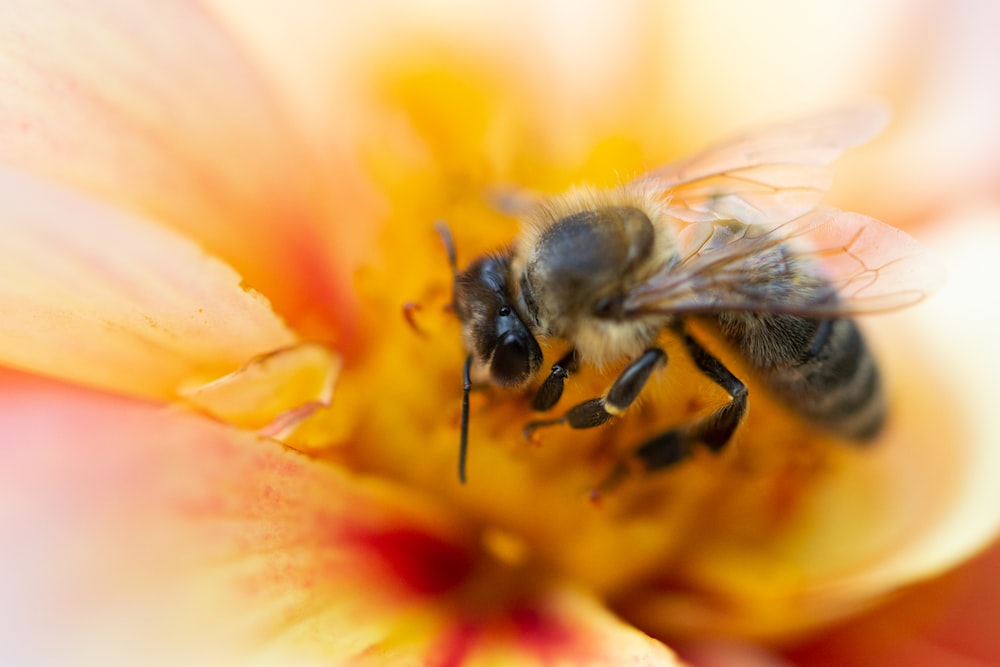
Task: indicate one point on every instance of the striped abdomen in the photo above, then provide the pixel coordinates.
(821, 368)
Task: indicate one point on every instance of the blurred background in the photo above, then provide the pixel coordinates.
(671, 77)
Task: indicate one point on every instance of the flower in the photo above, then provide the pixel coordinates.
(224, 442)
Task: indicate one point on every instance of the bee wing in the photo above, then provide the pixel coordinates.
(824, 263)
(772, 175)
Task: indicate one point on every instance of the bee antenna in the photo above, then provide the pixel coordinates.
(444, 232)
(463, 442)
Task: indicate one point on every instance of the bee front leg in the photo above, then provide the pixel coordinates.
(551, 390)
(620, 395)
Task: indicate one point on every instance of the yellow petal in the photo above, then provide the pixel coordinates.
(273, 393)
(156, 110)
(96, 296)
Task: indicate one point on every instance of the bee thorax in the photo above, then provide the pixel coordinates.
(602, 342)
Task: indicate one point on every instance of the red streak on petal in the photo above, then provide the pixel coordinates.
(327, 295)
(419, 562)
(454, 647)
(543, 634)
(522, 629)
(426, 563)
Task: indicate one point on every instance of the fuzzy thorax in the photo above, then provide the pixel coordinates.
(579, 254)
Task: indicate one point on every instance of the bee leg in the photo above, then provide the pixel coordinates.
(551, 390)
(620, 396)
(675, 445)
(714, 431)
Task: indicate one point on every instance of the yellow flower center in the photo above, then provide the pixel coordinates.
(719, 543)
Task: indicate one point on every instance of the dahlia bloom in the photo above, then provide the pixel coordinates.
(227, 439)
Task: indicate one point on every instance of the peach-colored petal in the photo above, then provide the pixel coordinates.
(947, 623)
(931, 60)
(153, 107)
(956, 342)
(329, 38)
(93, 295)
(138, 535)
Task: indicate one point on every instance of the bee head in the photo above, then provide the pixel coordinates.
(495, 333)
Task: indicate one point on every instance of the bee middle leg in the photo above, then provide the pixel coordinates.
(677, 444)
(620, 395)
(714, 431)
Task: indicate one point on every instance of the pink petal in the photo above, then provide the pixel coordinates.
(96, 296)
(154, 108)
(138, 535)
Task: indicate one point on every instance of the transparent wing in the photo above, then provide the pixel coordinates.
(824, 263)
(772, 175)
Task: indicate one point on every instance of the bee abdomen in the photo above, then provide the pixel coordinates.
(822, 369)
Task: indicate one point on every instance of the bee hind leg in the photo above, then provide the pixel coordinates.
(676, 444)
(622, 393)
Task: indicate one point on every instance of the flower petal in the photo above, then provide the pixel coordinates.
(155, 109)
(956, 491)
(138, 535)
(273, 393)
(561, 627)
(95, 296)
(947, 623)
(721, 653)
(135, 535)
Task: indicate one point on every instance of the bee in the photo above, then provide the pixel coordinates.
(733, 237)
